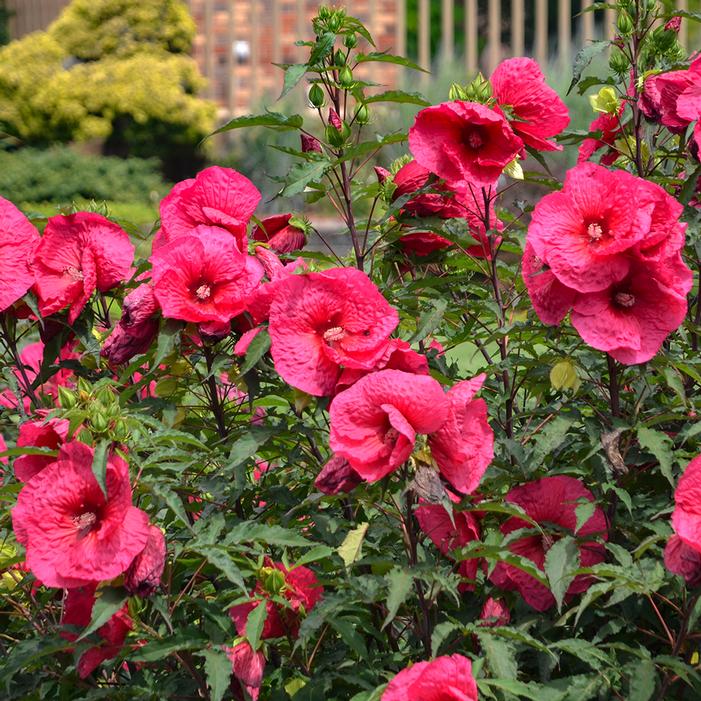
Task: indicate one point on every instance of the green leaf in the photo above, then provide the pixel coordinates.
(271, 120)
(254, 624)
(500, 654)
(168, 340)
(301, 174)
(99, 464)
(184, 639)
(293, 74)
(430, 320)
(350, 636)
(251, 532)
(583, 512)
(219, 557)
(258, 347)
(399, 96)
(400, 582)
(689, 186)
(247, 446)
(351, 548)
(660, 445)
(641, 685)
(109, 600)
(322, 48)
(583, 59)
(560, 562)
(172, 500)
(217, 667)
(383, 57)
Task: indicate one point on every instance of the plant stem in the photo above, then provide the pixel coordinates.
(614, 400)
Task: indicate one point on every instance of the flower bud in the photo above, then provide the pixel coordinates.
(673, 25)
(362, 116)
(383, 175)
(345, 77)
(339, 59)
(350, 41)
(618, 62)
(310, 143)
(67, 399)
(144, 574)
(494, 613)
(335, 120)
(316, 95)
(99, 423)
(625, 24)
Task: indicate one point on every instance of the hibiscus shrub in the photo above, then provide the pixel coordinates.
(458, 461)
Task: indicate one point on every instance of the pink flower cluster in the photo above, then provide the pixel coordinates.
(607, 249)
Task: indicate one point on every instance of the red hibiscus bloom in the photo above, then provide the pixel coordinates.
(681, 559)
(77, 255)
(686, 518)
(204, 277)
(72, 533)
(449, 533)
(549, 500)
(447, 678)
(463, 141)
(279, 234)
(18, 241)
(321, 321)
(630, 319)
(679, 96)
(375, 422)
(412, 177)
(299, 586)
(77, 611)
(144, 574)
(217, 198)
(423, 243)
(610, 127)
(518, 85)
(40, 433)
(247, 666)
(463, 446)
(584, 231)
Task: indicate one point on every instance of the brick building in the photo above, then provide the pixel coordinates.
(237, 41)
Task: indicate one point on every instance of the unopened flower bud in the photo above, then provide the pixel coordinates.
(310, 143)
(494, 613)
(350, 41)
(345, 77)
(316, 95)
(383, 175)
(618, 62)
(625, 24)
(335, 120)
(99, 423)
(362, 116)
(66, 397)
(339, 59)
(674, 24)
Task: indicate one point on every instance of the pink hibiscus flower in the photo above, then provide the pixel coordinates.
(78, 254)
(279, 234)
(247, 666)
(686, 517)
(463, 142)
(463, 446)
(679, 94)
(584, 232)
(322, 321)
(39, 433)
(412, 177)
(204, 277)
(631, 318)
(609, 125)
(144, 574)
(448, 533)
(77, 611)
(18, 241)
(298, 585)
(447, 678)
(519, 87)
(375, 422)
(550, 500)
(218, 198)
(73, 534)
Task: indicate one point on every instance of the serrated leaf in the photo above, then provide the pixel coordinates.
(184, 639)
(400, 582)
(172, 500)
(293, 74)
(220, 558)
(99, 464)
(168, 340)
(322, 47)
(351, 548)
(583, 513)
(399, 96)
(660, 445)
(641, 685)
(583, 59)
(109, 600)
(440, 633)
(249, 532)
(254, 624)
(560, 562)
(271, 120)
(382, 57)
(217, 667)
(247, 446)
(257, 348)
(350, 636)
(500, 654)
(430, 320)
(301, 174)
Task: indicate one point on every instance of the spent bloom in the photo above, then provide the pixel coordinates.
(72, 532)
(686, 517)
(280, 233)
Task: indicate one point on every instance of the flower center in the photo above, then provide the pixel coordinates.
(203, 292)
(334, 334)
(474, 139)
(594, 231)
(73, 272)
(391, 436)
(84, 523)
(624, 299)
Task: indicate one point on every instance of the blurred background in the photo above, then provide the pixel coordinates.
(111, 99)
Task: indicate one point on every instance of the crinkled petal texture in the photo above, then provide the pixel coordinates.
(217, 197)
(447, 678)
(686, 518)
(18, 241)
(78, 254)
(374, 423)
(583, 231)
(519, 84)
(550, 298)
(550, 500)
(73, 535)
(39, 434)
(632, 318)
(682, 559)
(463, 142)
(204, 277)
(322, 321)
(463, 446)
